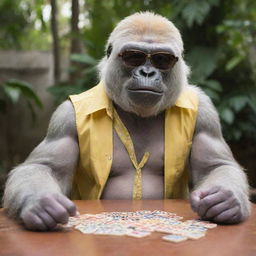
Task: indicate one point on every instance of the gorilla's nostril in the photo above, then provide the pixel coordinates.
(147, 73)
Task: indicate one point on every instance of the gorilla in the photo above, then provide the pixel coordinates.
(142, 133)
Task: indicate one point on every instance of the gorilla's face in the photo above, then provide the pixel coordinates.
(141, 78)
(145, 86)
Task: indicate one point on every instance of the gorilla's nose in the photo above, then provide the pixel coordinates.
(147, 72)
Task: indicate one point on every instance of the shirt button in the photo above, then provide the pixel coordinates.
(109, 157)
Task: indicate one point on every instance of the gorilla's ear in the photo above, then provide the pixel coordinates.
(109, 50)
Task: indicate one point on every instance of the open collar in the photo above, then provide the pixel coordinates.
(101, 101)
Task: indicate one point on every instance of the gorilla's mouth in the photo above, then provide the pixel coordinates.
(145, 96)
(146, 90)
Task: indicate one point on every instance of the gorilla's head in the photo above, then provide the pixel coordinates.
(143, 70)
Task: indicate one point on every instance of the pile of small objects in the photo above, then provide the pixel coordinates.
(140, 224)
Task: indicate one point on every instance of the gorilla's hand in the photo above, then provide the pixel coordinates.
(216, 204)
(47, 212)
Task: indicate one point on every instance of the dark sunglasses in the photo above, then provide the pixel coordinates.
(160, 60)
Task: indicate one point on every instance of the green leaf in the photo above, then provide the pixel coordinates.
(61, 92)
(227, 115)
(214, 85)
(12, 93)
(203, 62)
(83, 58)
(25, 90)
(195, 12)
(238, 102)
(89, 71)
(212, 94)
(252, 103)
(232, 63)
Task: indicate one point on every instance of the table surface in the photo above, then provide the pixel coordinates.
(222, 241)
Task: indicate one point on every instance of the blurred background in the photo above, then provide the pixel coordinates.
(49, 49)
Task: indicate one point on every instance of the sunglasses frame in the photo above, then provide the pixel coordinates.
(149, 56)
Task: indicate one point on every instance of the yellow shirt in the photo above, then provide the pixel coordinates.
(94, 115)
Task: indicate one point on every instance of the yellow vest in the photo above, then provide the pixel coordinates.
(94, 114)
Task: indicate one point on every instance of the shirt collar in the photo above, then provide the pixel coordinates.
(186, 99)
(102, 101)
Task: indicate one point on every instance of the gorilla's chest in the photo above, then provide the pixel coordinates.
(147, 136)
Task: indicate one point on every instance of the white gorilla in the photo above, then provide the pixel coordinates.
(143, 109)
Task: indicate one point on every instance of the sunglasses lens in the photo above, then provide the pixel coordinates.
(163, 61)
(133, 58)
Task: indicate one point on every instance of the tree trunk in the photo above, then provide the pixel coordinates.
(56, 43)
(75, 40)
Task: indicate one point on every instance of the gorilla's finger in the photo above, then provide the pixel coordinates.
(47, 219)
(219, 208)
(57, 212)
(194, 200)
(235, 219)
(33, 222)
(197, 195)
(67, 204)
(209, 201)
(225, 216)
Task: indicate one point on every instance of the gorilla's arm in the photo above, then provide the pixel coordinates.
(220, 184)
(34, 190)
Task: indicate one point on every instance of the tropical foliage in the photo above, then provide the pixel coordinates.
(12, 90)
(219, 39)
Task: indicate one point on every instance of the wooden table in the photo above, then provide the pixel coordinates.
(228, 240)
